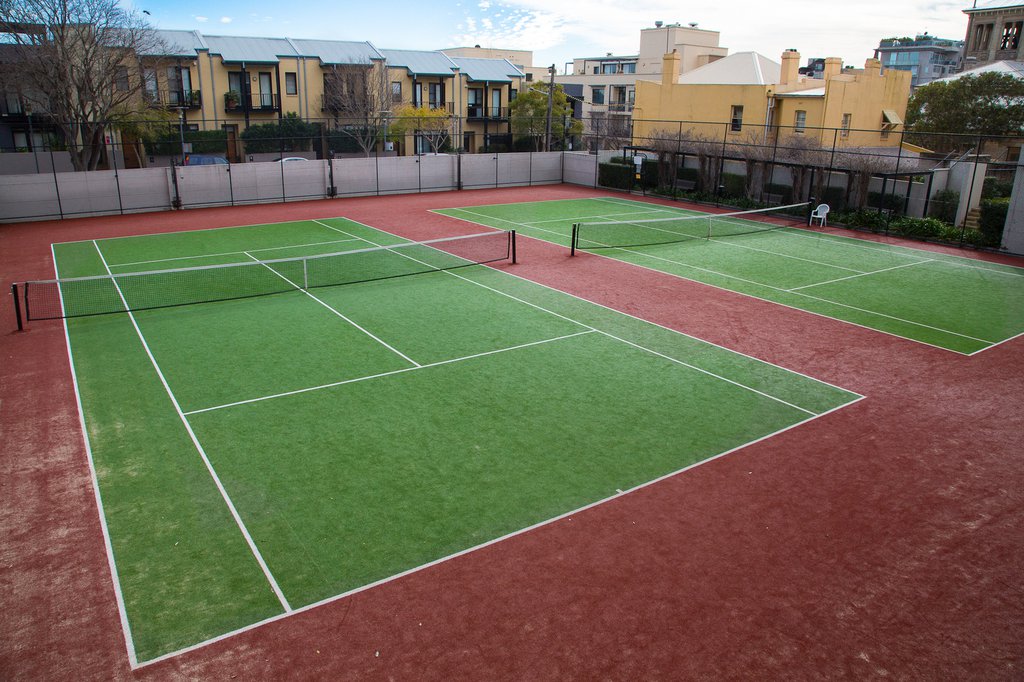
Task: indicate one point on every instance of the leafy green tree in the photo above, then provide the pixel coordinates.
(434, 124)
(529, 113)
(990, 104)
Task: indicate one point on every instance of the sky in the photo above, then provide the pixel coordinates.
(558, 32)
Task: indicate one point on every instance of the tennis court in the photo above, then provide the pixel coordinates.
(297, 411)
(960, 304)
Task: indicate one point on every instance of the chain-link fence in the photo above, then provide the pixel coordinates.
(951, 188)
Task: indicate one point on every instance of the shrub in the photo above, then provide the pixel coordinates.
(921, 228)
(291, 134)
(733, 185)
(891, 202)
(203, 142)
(994, 188)
(615, 175)
(993, 219)
(872, 220)
(784, 191)
(943, 205)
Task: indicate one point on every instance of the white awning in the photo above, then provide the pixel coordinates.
(891, 117)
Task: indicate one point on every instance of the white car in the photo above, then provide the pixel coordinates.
(289, 159)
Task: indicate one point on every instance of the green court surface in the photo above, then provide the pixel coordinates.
(261, 455)
(956, 303)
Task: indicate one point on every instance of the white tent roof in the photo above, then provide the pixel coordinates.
(1015, 69)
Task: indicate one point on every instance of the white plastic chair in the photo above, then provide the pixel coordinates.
(820, 214)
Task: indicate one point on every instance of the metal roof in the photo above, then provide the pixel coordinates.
(810, 92)
(1015, 69)
(421, 62)
(242, 49)
(493, 70)
(741, 68)
(177, 44)
(992, 4)
(338, 51)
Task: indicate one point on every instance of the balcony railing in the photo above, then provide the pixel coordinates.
(189, 99)
(255, 101)
(478, 112)
(447, 106)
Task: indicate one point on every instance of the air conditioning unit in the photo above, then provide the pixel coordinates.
(389, 146)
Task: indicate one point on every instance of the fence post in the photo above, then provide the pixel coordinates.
(176, 201)
(970, 192)
(56, 184)
(332, 191)
(117, 178)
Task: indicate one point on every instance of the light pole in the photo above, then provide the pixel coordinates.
(181, 132)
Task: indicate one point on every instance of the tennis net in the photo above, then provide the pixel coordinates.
(121, 292)
(620, 234)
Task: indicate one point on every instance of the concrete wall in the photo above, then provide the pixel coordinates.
(1013, 232)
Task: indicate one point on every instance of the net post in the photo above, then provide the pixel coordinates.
(305, 271)
(512, 240)
(710, 224)
(17, 306)
(573, 238)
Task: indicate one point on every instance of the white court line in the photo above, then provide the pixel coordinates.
(779, 289)
(385, 374)
(610, 335)
(338, 313)
(107, 543)
(416, 569)
(797, 232)
(195, 441)
(228, 253)
(863, 274)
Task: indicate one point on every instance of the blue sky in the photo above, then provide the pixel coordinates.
(557, 32)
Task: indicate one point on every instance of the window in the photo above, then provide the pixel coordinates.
(597, 95)
(496, 103)
(1011, 35)
(629, 68)
(801, 121)
(435, 95)
(1013, 154)
(597, 69)
(609, 68)
(736, 121)
(396, 92)
(845, 127)
(512, 94)
(291, 84)
(149, 75)
(982, 35)
(121, 78)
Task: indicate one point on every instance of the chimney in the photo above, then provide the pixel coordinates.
(872, 67)
(790, 67)
(671, 65)
(833, 67)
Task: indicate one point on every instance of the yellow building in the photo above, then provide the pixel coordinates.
(747, 95)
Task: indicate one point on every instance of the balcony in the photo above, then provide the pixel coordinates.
(446, 106)
(478, 112)
(185, 99)
(255, 101)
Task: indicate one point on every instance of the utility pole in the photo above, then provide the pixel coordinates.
(551, 95)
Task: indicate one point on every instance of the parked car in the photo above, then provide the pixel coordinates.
(205, 160)
(289, 159)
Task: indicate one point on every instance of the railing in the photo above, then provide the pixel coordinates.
(256, 101)
(447, 106)
(478, 112)
(189, 99)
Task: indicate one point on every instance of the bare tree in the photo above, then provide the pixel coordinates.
(666, 144)
(862, 165)
(803, 154)
(708, 151)
(609, 132)
(78, 61)
(756, 155)
(359, 98)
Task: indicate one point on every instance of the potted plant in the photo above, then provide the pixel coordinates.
(231, 99)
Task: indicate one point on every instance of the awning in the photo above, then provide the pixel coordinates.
(891, 117)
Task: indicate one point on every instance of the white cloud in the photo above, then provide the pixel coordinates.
(225, 20)
(484, 5)
(202, 20)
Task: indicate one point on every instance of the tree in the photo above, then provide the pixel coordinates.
(434, 125)
(756, 155)
(359, 98)
(291, 134)
(989, 104)
(78, 61)
(804, 153)
(529, 112)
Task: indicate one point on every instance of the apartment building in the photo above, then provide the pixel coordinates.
(230, 83)
(924, 56)
(608, 83)
(748, 95)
